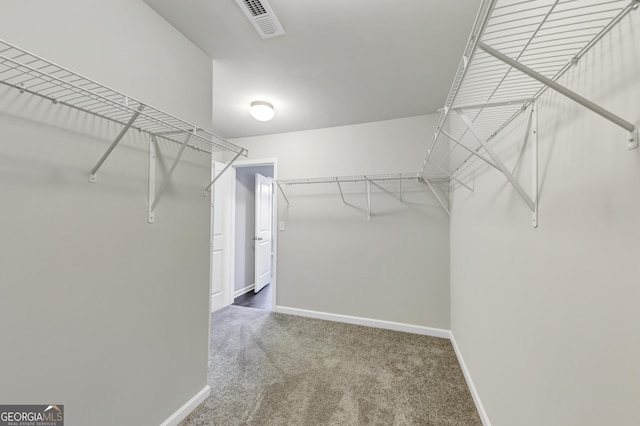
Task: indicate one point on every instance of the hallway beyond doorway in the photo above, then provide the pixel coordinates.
(260, 300)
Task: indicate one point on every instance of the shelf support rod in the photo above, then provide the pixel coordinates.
(633, 131)
(167, 178)
(341, 193)
(134, 117)
(367, 186)
(152, 175)
(450, 176)
(282, 192)
(497, 160)
(534, 162)
(469, 150)
(433, 191)
(220, 174)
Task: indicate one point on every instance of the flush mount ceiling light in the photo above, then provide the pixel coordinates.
(262, 111)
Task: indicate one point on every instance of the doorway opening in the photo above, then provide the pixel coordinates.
(253, 234)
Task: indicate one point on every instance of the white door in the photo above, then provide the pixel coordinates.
(221, 238)
(264, 224)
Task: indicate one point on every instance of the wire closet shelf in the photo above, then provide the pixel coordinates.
(369, 180)
(32, 74)
(359, 178)
(516, 51)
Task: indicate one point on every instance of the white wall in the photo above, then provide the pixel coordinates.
(330, 258)
(245, 255)
(547, 319)
(99, 310)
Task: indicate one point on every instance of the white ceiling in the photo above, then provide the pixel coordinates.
(340, 61)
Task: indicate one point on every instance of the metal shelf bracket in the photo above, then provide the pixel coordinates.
(152, 176)
(469, 150)
(206, 190)
(282, 192)
(450, 176)
(344, 203)
(134, 117)
(505, 171)
(534, 163)
(155, 197)
(633, 140)
(367, 187)
(435, 194)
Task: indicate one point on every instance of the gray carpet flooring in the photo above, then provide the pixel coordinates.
(274, 369)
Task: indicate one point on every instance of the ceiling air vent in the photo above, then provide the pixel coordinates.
(262, 17)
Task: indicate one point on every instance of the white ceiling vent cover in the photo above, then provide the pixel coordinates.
(262, 17)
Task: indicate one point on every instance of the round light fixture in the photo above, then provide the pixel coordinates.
(262, 111)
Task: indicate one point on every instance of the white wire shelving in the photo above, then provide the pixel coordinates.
(30, 73)
(369, 180)
(516, 51)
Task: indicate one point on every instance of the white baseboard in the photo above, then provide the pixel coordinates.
(242, 291)
(388, 325)
(187, 408)
(472, 388)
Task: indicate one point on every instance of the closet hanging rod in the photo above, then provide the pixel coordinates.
(35, 75)
(561, 89)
